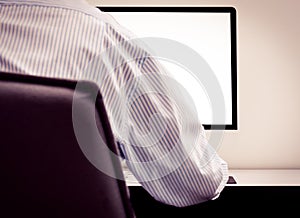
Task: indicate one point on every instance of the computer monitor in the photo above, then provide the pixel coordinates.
(211, 33)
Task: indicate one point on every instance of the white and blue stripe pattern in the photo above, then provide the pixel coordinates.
(64, 41)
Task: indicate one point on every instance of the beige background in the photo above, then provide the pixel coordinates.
(268, 81)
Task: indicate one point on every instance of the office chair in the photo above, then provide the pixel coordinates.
(44, 171)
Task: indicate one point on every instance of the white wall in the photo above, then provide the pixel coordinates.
(269, 81)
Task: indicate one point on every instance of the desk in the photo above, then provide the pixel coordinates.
(266, 177)
(257, 193)
(246, 177)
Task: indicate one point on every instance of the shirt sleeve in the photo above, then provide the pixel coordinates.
(160, 135)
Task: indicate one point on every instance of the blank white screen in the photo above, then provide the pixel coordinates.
(207, 33)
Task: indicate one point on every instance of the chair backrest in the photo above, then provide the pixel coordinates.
(43, 169)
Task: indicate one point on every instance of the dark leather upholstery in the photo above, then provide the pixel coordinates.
(43, 171)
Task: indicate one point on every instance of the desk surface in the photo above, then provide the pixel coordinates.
(247, 177)
(262, 193)
(267, 177)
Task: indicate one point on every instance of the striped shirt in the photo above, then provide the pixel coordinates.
(168, 154)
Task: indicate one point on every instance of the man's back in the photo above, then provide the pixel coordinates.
(49, 41)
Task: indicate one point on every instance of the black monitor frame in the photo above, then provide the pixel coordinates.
(233, 30)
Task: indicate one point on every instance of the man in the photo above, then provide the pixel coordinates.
(169, 155)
